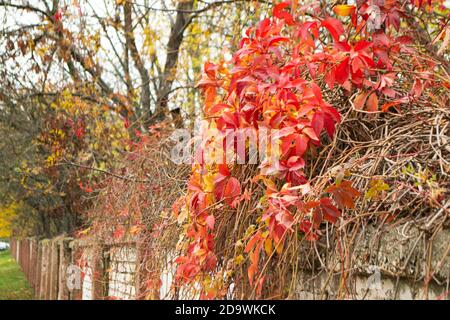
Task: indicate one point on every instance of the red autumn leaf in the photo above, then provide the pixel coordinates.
(210, 69)
(280, 13)
(325, 211)
(79, 132)
(284, 219)
(223, 173)
(297, 142)
(210, 221)
(263, 27)
(232, 191)
(276, 40)
(118, 233)
(334, 26)
(310, 133)
(362, 45)
(417, 88)
(210, 262)
(126, 123)
(246, 196)
(343, 194)
(58, 15)
(342, 71)
(306, 227)
(259, 287)
(329, 125)
(87, 189)
(317, 122)
(218, 107)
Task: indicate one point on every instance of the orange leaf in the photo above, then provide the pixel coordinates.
(251, 243)
(254, 258)
(372, 103)
(389, 105)
(360, 100)
(344, 10)
(251, 273)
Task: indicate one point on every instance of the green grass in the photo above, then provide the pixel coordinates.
(13, 285)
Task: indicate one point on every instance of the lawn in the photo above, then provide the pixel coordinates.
(13, 285)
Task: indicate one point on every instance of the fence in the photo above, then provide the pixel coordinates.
(67, 269)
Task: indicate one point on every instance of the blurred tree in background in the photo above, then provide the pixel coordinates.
(81, 80)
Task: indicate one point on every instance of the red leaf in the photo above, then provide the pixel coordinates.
(285, 219)
(211, 262)
(276, 40)
(417, 88)
(342, 72)
(58, 15)
(280, 13)
(218, 107)
(317, 122)
(210, 69)
(328, 211)
(307, 228)
(118, 233)
(311, 133)
(210, 221)
(343, 194)
(334, 26)
(329, 124)
(263, 27)
(232, 191)
(362, 45)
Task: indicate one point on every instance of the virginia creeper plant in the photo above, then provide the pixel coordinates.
(276, 80)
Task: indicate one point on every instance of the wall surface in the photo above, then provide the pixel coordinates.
(66, 269)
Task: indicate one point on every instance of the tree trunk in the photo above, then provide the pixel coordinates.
(173, 46)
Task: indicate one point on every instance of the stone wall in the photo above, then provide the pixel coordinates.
(400, 262)
(394, 262)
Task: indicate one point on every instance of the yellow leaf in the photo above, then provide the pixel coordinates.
(135, 230)
(208, 181)
(239, 260)
(182, 216)
(344, 10)
(268, 246)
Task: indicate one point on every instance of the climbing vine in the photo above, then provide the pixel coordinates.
(277, 80)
